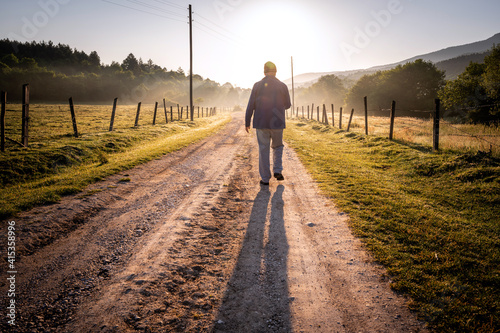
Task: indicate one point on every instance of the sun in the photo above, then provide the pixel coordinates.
(275, 31)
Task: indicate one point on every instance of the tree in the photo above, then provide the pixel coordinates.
(474, 96)
(491, 75)
(414, 86)
(366, 86)
(328, 89)
(94, 59)
(10, 60)
(28, 63)
(131, 64)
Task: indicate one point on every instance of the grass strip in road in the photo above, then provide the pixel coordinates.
(41, 175)
(431, 218)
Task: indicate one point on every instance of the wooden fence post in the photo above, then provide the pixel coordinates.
(2, 120)
(393, 114)
(308, 112)
(154, 114)
(325, 114)
(435, 132)
(171, 113)
(198, 111)
(302, 111)
(366, 115)
(137, 115)
(340, 118)
(165, 110)
(312, 111)
(178, 112)
(182, 112)
(113, 115)
(317, 113)
(73, 116)
(350, 119)
(333, 116)
(25, 115)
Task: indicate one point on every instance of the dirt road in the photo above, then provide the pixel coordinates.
(192, 243)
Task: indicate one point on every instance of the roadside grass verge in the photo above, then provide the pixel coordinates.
(432, 219)
(46, 171)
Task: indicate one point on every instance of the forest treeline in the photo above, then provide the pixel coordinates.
(57, 72)
(474, 96)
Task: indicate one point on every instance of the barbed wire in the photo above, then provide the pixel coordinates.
(479, 137)
(399, 129)
(399, 110)
(475, 107)
(432, 111)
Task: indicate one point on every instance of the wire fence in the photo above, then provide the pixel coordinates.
(39, 123)
(439, 133)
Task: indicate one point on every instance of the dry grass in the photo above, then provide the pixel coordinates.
(459, 137)
(53, 121)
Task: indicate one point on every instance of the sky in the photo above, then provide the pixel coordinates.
(232, 39)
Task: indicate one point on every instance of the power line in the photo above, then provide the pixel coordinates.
(142, 3)
(233, 41)
(218, 26)
(225, 40)
(170, 4)
(143, 11)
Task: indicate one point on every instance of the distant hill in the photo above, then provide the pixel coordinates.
(457, 51)
(456, 66)
(453, 60)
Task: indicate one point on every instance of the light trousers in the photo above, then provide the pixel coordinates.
(270, 138)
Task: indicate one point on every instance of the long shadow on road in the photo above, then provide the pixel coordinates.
(256, 299)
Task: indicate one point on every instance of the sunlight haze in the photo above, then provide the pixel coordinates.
(234, 38)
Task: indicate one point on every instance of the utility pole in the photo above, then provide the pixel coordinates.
(293, 90)
(191, 107)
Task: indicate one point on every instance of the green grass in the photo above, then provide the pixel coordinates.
(57, 164)
(431, 218)
(460, 137)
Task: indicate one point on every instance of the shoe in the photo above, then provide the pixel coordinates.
(278, 176)
(264, 183)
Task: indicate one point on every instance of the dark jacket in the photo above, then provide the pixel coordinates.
(269, 100)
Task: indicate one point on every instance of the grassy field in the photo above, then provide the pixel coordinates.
(57, 164)
(460, 137)
(431, 218)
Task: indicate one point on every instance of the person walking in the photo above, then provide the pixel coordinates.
(268, 102)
